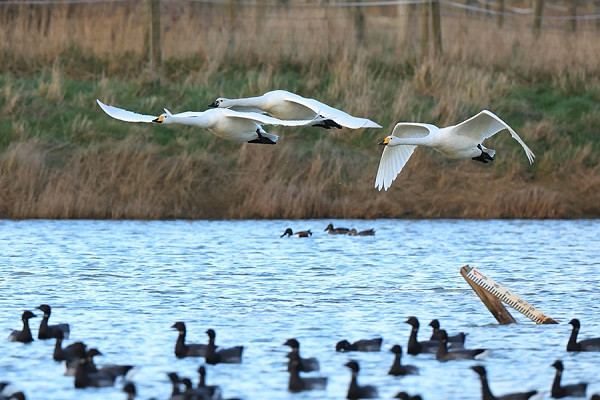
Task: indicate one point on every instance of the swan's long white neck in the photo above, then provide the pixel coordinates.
(246, 102)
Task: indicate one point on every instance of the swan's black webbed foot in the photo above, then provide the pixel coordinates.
(484, 157)
(261, 139)
(328, 124)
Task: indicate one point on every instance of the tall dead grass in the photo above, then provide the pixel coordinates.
(132, 179)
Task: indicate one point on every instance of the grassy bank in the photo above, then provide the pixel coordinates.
(62, 157)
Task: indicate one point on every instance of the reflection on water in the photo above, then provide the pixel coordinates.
(122, 284)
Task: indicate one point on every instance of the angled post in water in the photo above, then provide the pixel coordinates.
(493, 294)
(493, 304)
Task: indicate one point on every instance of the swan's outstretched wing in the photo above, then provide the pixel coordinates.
(486, 124)
(334, 114)
(265, 119)
(392, 161)
(124, 115)
(394, 158)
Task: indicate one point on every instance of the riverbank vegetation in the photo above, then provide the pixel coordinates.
(62, 157)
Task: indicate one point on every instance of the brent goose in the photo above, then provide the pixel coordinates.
(176, 392)
(304, 364)
(210, 392)
(457, 340)
(583, 345)
(129, 388)
(359, 345)
(84, 379)
(414, 346)
(406, 396)
(299, 384)
(443, 354)
(232, 355)
(486, 393)
(68, 353)
(17, 396)
(114, 370)
(49, 331)
(355, 391)
(182, 349)
(573, 390)
(368, 232)
(291, 233)
(336, 231)
(397, 368)
(24, 335)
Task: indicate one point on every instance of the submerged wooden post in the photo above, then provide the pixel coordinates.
(492, 293)
(491, 302)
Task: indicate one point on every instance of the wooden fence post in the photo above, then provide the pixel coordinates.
(573, 15)
(597, 12)
(436, 22)
(425, 29)
(153, 46)
(359, 23)
(500, 13)
(409, 19)
(537, 19)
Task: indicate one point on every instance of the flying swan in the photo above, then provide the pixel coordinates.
(228, 124)
(458, 141)
(290, 106)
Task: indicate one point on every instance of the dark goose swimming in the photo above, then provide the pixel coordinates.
(486, 393)
(592, 344)
(50, 331)
(24, 335)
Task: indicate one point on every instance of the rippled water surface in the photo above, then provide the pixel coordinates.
(122, 284)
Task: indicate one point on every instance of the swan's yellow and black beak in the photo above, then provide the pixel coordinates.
(214, 104)
(159, 120)
(385, 141)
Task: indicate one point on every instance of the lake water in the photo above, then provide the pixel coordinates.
(122, 284)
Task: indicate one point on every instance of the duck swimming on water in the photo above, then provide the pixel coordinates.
(336, 231)
(300, 234)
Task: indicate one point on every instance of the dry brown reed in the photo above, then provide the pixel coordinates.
(381, 77)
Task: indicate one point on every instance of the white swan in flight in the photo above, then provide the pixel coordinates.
(458, 141)
(290, 106)
(228, 124)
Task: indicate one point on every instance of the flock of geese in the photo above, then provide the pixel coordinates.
(78, 362)
(241, 120)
